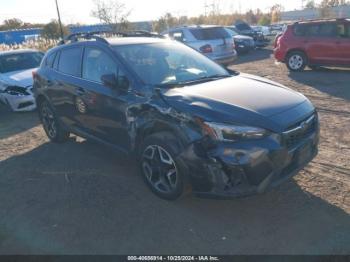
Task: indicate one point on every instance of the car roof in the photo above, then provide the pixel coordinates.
(112, 41)
(195, 26)
(317, 21)
(115, 41)
(18, 51)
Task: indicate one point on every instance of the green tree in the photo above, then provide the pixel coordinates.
(165, 22)
(310, 4)
(13, 23)
(52, 30)
(264, 20)
(251, 18)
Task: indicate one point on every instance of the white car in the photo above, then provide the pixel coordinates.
(263, 29)
(16, 81)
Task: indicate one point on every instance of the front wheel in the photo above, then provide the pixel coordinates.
(161, 170)
(52, 126)
(296, 61)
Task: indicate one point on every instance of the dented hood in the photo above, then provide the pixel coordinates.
(243, 97)
(21, 78)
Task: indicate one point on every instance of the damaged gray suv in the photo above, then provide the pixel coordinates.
(188, 121)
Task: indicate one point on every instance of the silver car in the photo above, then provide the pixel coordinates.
(16, 81)
(212, 41)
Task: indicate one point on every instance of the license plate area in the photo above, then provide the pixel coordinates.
(303, 154)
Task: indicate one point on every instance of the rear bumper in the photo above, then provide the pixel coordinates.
(227, 59)
(239, 169)
(241, 48)
(279, 54)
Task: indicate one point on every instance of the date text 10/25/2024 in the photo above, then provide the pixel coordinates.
(173, 258)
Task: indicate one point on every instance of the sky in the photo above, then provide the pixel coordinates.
(79, 11)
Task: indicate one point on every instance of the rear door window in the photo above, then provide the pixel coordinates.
(209, 33)
(50, 59)
(343, 30)
(316, 30)
(300, 30)
(327, 30)
(313, 30)
(70, 61)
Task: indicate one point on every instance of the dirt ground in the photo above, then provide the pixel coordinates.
(82, 198)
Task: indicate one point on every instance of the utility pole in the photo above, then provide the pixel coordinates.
(59, 20)
(205, 8)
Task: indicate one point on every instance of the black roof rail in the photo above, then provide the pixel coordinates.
(140, 33)
(94, 35)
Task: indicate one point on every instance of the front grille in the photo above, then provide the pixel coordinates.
(25, 104)
(296, 133)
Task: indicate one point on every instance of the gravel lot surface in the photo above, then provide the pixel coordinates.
(83, 198)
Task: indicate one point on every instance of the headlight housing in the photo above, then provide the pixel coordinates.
(16, 91)
(225, 132)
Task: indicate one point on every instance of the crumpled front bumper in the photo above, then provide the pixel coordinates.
(19, 103)
(239, 169)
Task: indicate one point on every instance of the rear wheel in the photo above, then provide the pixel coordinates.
(161, 170)
(52, 126)
(296, 61)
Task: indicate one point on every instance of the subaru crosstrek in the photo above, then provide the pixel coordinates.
(314, 44)
(189, 121)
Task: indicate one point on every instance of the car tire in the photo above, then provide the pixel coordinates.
(52, 126)
(296, 61)
(163, 172)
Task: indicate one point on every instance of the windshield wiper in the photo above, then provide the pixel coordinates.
(194, 81)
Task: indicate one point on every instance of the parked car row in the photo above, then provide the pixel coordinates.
(217, 42)
(213, 41)
(243, 28)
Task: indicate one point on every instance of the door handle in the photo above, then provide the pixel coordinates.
(80, 91)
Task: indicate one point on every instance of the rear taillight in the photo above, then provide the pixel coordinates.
(206, 49)
(34, 74)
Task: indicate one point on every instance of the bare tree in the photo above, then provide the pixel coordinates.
(113, 13)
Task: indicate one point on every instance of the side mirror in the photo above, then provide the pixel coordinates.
(123, 83)
(110, 80)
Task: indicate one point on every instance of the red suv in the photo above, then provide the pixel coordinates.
(314, 44)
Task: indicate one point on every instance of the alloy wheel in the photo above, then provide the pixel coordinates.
(160, 169)
(48, 120)
(296, 62)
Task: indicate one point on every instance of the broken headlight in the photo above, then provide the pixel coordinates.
(225, 132)
(16, 91)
